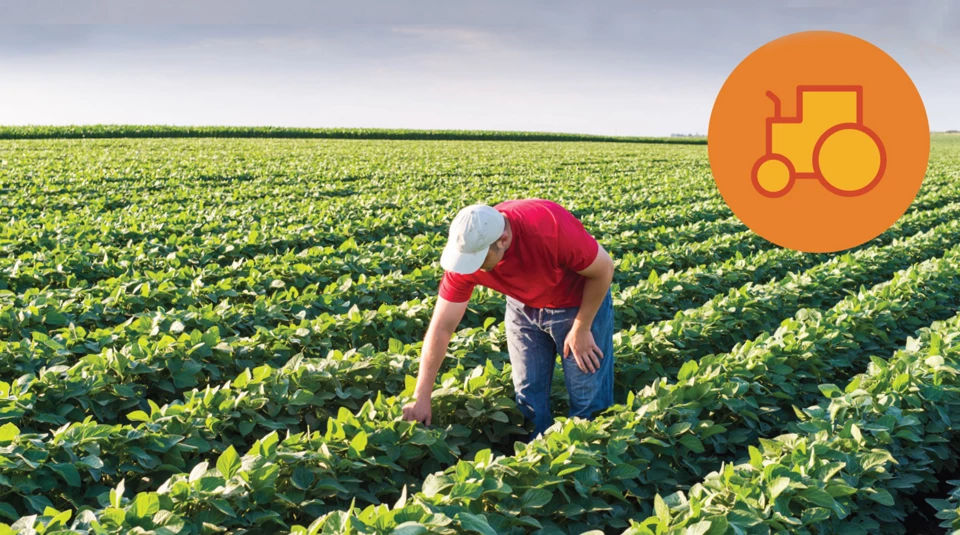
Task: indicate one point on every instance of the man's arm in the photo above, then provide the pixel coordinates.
(579, 341)
(446, 317)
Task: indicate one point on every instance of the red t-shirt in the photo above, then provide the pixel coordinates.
(539, 267)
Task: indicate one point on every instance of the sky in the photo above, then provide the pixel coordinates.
(618, 68)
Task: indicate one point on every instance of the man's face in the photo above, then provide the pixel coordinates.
(494, 255)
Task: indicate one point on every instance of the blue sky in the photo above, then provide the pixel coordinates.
(635, 68)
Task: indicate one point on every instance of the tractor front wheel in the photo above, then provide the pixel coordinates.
(773, 175)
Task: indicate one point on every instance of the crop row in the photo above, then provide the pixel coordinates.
(213, 352)
(604, 469)
(86, 456)
(764, 377)
(295, 288)
(189, 278)
(352, 329)
(112, 381)
(292, 284)
(849, 464)
(111, 384)
(243, 259)
(662, 348)
(172, 238)
(242, 329)
(662, 294)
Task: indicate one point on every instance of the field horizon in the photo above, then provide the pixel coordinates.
(175, 131)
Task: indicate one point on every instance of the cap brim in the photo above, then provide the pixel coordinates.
(460, 262)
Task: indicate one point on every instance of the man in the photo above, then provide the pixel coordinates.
(557, 281)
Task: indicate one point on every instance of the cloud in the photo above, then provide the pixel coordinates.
(616, 67)
(468, 39)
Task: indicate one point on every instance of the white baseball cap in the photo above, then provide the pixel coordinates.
(472, 232)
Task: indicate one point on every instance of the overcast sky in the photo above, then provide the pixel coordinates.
(635, 68)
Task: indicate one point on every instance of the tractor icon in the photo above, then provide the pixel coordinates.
(826, 141)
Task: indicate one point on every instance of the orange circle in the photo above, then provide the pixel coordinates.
(825, 82)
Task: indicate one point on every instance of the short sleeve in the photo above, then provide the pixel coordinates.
(455, 287)
(576, 248)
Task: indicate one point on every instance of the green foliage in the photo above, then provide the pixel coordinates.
(948, 509)
(218, 335)
(848, 465)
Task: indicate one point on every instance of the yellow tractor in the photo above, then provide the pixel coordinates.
(826, 141)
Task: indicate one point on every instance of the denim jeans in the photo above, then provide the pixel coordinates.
(534, 339)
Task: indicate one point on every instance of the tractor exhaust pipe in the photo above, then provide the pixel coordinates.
(776, 103)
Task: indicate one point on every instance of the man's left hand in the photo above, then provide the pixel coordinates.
(579, 342)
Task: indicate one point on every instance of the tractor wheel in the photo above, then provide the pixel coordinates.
(849, 159)
(773, 175)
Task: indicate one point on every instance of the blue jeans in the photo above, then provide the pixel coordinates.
(534, 339)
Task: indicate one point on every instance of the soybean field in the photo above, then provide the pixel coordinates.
(217, 335)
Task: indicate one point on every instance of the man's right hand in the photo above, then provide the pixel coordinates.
(446, 317)
(418, 411)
